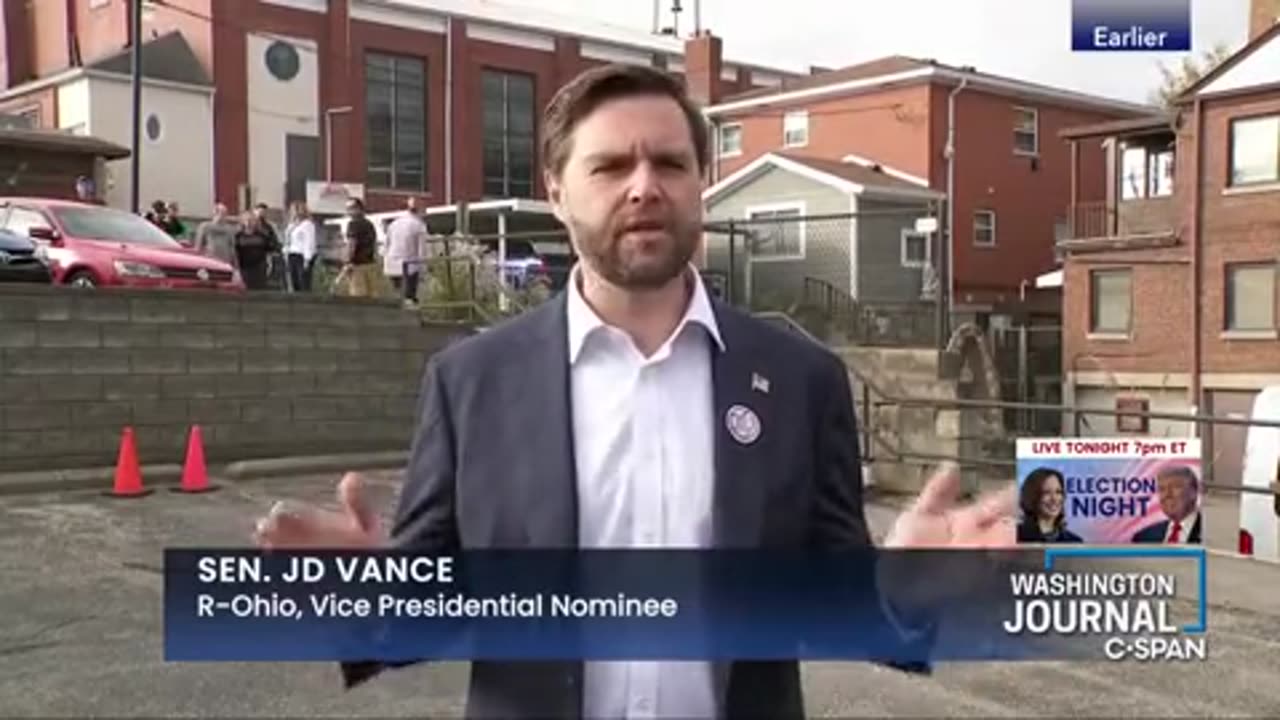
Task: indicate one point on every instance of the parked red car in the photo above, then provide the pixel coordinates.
(91, 245)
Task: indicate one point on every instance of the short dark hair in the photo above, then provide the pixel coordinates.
(594, 87)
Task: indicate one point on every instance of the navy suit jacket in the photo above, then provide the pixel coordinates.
(492, 466)
(1156, 532)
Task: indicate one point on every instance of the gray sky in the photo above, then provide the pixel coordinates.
(1025, 39)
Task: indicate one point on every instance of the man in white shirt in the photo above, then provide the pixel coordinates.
(632, 411)
(406, 248)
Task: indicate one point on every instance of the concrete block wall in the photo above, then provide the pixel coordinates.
(263, 375)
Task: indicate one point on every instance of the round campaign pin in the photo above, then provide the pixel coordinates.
(743, 424)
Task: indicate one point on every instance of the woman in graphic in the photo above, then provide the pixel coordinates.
(1043, 499)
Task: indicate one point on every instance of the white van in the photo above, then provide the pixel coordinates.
(1259, 512)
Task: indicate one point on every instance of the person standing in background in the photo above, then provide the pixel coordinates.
(406, 248)
(216, 237)
(300, 246)
(255, 244)
(362, 250)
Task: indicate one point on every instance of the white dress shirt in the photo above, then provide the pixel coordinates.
(643, 432)
(1184, 530)
(406, 242)
(300, 239)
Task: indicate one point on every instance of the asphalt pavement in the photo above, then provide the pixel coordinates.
(80, 591)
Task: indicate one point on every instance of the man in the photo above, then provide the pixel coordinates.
(1179, 493)
(406, 247)
(659, 418)
(256, 242)
(216, 237)
(362, 249)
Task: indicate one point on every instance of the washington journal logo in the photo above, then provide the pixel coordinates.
(1131, 25)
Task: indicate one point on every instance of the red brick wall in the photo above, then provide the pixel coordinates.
(1161, 314)
(1241, 227)
(48, 20)
(45, 99)
(1029, 196)
(102, 31)
(891, 127)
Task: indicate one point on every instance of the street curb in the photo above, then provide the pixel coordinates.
(42, 481)
(102, 478)
(303, 465)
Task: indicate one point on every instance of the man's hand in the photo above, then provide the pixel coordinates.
(355, 525)
(935, 520)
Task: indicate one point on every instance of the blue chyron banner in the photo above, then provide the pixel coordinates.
(1131, 25)
(890, 606)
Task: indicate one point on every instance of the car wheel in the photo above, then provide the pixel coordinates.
(82, 279)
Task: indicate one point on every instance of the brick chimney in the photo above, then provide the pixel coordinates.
(702, 65)
(1262, 15)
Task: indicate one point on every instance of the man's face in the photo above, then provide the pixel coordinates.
(631, 192)
(1177, 495)
(353, 210)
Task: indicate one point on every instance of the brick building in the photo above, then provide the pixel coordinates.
(1170, 300)
(1011, 173)
(439, 99)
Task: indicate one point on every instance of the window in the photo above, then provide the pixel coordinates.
(1111, 301)
(730, 140)
(795, 129)
(1146, 172)
(984, 228)
(1133, 414)
(395, 122)
(1026, 131)
(1255, 150)
(916, 248)
(779, 234)
(1251, 296)
(21, 220)
(509, 134)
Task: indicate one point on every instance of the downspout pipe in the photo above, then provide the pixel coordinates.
(448, 110)
(1197, 252)
(949, 279)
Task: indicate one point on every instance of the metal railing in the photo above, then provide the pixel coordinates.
(878, 445)
(1095, 219)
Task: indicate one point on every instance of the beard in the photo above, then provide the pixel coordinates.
(634, 263)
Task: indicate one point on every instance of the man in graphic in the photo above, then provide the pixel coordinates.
(1179, 491)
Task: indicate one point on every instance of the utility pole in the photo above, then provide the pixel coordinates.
(134, 159)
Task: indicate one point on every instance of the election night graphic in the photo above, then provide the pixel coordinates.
(1110, 491)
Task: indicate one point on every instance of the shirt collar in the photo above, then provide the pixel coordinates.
(583, 320)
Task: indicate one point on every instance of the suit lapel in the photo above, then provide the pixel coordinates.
(742, 420)
(551, 492)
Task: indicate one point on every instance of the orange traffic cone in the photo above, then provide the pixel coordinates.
(128, 480)
(195, 474)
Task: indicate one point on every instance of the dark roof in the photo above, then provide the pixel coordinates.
(873, 68)
(1128, 126)
(168, 57)
(61, 141)
(894, 64)
(869, 176)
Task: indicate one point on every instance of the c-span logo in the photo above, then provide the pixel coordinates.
(1131, 25)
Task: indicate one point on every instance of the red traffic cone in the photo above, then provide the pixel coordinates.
(128, 480)
(195, 474)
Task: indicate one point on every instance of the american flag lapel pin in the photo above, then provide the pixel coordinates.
(760, 383)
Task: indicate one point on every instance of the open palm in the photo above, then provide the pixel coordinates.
(936, 520)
